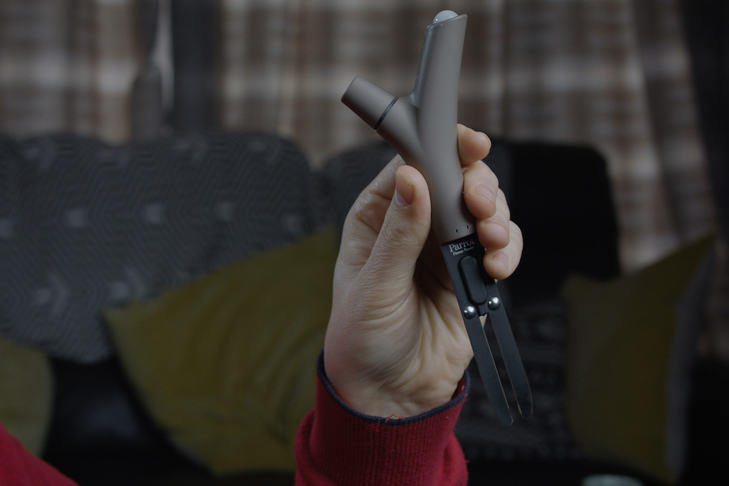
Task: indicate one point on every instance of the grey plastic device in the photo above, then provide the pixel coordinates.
(421, 127)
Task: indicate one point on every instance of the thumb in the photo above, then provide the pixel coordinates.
(404, 229)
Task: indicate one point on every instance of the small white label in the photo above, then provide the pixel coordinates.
(460, 247)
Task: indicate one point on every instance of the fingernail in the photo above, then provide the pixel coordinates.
(404, 195)
(486, 191)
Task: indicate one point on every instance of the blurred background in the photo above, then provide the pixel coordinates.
(642, 83)
(627, 77)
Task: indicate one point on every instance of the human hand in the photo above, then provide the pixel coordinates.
(396, 344)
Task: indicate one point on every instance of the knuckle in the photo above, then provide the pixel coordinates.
(489, 234)
(481, 182)
(479, 173)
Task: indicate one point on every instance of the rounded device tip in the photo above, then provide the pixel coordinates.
(368, 101)
(444, 15)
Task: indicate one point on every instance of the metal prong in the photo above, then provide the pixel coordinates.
(487, 369)
(511, 357)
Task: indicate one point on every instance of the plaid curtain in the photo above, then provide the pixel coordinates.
(67, 65)
(610, 73)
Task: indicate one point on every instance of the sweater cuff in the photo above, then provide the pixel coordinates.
(347, 447)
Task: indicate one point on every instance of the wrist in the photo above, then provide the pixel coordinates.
(378, 400)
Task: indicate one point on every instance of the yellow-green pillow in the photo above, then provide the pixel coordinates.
(226, 364)
(620, 348)
(26, 393)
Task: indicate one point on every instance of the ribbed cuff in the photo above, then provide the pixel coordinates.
(352, 448)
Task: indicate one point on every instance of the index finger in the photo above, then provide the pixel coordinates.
(472, 145)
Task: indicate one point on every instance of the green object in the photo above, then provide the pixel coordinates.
(226, 364)
(620, 345)
(26, 391)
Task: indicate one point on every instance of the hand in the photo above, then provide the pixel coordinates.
(396, 344)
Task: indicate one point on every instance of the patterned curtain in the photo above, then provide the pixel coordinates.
(609, 73)
(67, 65)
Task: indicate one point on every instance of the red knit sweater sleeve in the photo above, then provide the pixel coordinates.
(21, 468)
(335, 445)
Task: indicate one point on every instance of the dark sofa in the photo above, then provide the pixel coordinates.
(560, 196)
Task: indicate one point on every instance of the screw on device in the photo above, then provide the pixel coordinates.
(421, 127)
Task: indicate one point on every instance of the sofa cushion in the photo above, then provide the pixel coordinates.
(630, 346)
(225, 363)
(26, 389)
(85, 225)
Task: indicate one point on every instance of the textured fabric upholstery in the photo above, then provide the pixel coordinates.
(85, 225)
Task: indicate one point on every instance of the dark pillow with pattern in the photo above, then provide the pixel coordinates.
(85, 225)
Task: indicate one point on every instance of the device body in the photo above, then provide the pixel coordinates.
(421, 127)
